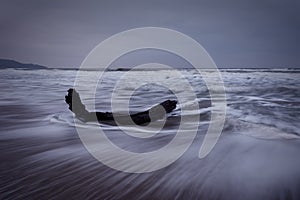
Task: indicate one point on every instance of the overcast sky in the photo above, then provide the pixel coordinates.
(251, 33)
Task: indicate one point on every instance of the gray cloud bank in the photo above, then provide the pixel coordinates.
(244, 33)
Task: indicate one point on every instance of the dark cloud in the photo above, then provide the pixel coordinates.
(252, 33)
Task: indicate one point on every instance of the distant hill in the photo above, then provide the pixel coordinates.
(6, 63)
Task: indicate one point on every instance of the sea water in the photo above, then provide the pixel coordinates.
(256, 157)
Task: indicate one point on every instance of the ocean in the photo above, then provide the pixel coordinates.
(256, 156)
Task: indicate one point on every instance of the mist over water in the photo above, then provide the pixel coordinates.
(257, 156)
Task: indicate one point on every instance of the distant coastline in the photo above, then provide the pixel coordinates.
(12, 64)
(7, 63)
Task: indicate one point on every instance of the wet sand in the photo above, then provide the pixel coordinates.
(54, 164)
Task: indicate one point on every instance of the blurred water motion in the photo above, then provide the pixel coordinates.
(257, 156)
